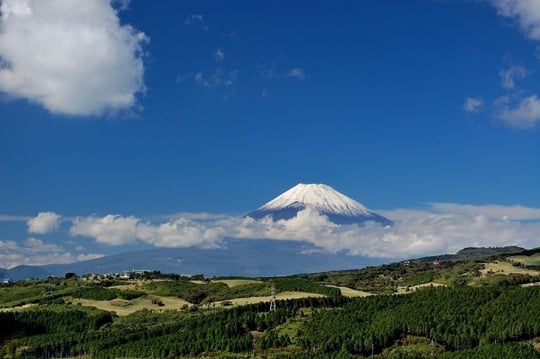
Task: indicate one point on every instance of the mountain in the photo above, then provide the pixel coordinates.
(477, 254)
(237, 257)
(250, 258)
(24, 272)
(339, 208)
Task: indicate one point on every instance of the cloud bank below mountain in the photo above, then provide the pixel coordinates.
(440, 228)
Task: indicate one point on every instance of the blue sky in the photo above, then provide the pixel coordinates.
(132, 116)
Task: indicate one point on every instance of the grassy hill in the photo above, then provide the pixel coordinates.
(479, 303)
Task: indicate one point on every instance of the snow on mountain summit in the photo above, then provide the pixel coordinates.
(319, 196)
(336, 206)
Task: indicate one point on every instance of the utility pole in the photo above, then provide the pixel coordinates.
(273, 299)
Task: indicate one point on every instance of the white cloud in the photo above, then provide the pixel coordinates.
(524, 115)
(183, 232)
(420, 234)
(472, 105)
(296, 73)
(516, 110)
(526, 12)
(34, 251)
(511, 74)
(219, 55)
(442, 228)
(44, 222)
(118, 230)
(111, 229)
(72, 57)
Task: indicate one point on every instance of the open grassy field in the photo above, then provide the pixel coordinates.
(499, 267)
(132, 285)
(279, 296)
(533, 260)
(198, 282)
(26, 306)
(405, 290)
(349, 292)
(236, 282)
(125, 307)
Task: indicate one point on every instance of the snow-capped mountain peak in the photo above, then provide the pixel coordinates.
(319, 196)
(326, 200)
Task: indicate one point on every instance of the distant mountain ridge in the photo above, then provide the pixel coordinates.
(242, 259)
(477, 253)
(248, 258)
(339, 208)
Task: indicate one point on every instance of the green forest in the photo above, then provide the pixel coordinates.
(458, 310)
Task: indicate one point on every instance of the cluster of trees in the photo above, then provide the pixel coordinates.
(97, 292)
(71, 331)
(457, 318)
(34, 322)
(513, 350)
(207, 331)
(384, 278)
(50, 332)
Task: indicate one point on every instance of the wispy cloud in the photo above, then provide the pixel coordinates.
(297, 73)
(473, 105)
(516, 109)
(34, 251)
(197, 20)
(219, 55)
(514, 213)
(511, 74)
(72, 59)
(513, 109)
(44, 222)
(12, 218)
(271, 72)
(219, 78)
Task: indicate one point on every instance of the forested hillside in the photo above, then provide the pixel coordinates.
(450, 310)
